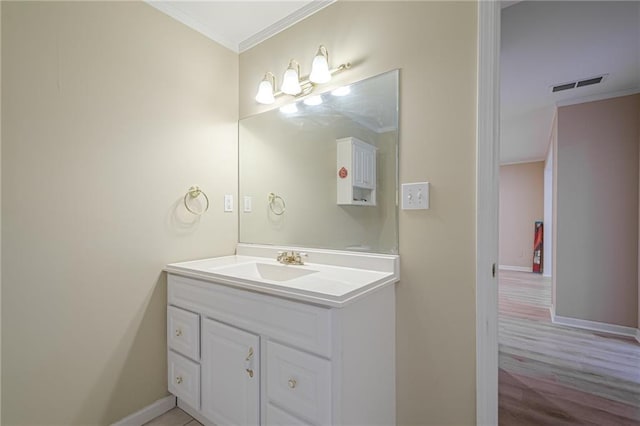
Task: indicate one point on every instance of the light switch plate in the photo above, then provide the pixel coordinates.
(247, 204)
(228, 203)
(415, 196)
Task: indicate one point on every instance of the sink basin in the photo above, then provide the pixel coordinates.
(265, 271)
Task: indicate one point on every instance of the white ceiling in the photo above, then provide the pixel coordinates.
(239, 25)
(546, 43)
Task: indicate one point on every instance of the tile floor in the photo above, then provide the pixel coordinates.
(174, 417)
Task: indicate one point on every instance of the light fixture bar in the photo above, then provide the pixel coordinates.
(307, 85)
(295, 85)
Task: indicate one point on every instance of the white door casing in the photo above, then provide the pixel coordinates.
(487, 192)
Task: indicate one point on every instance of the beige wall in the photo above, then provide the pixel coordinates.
(521, 204)
(111, 111)
(434, 45)
(597, 247)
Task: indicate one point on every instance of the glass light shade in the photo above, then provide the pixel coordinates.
(265, 93)
(320, 70)
(313, 100)
(291, 82)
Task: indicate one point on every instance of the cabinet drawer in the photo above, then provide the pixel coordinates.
(278, 417)
(299, 382)
(298, 324)
(184, 379)
(183, 332)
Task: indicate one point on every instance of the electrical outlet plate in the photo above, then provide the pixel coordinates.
(415, 196)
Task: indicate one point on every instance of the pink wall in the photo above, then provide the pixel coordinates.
(597, 211)
(521, 204)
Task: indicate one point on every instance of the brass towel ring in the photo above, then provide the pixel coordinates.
(195, 192)
(277, 204)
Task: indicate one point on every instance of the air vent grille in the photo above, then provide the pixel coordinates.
(590, 81)
(579, 83)
(562, 87)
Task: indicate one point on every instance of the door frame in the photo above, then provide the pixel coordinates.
(487, 198)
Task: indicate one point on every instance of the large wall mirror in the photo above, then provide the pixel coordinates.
(324, 173)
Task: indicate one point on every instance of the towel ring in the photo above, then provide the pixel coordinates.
(274, 201)
(195, 192)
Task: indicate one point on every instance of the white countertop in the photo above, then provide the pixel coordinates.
(319, 283)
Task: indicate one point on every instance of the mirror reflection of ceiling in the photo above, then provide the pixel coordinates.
(365, 104)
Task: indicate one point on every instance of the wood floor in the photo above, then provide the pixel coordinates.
(556, 375)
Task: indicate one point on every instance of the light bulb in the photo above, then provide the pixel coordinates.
(265, 93)
(291, 81)
(313, 100)
(289, 109)
(320, 67)
(341, 91)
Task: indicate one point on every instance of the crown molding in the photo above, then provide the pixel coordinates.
(283, 24)
(193, 23)
(599, 97)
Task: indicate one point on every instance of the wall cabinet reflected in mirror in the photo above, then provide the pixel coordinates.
(333, 200)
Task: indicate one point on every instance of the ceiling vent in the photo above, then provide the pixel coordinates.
(580, 83)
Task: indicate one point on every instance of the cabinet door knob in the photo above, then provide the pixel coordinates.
(250, 372)
(179, 379)
(292, 383)
(179, 332)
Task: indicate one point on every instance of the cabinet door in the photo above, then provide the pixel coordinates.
(358, 166)
(230, 380)
(369, 169)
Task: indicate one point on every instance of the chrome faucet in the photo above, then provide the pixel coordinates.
(290, 258)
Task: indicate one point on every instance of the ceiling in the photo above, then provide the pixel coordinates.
(546, 43)
(239, 25)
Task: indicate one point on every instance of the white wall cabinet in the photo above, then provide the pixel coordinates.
(274, 361)
(356, 179)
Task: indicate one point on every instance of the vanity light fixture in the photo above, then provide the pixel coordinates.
(265, 90)
(291, 79)
(295, 85)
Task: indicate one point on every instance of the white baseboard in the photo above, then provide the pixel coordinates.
(515, 268)
(638, 335)
(601, 327)
(149, 412)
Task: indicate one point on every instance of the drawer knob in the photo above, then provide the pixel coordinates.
(179, 379)
(179, 332)
(250, 372)
(292, 383)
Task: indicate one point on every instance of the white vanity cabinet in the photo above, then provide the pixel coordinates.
(265, 359)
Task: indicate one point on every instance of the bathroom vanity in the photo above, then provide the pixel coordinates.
(253, 341)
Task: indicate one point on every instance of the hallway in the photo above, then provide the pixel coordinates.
(556, 375)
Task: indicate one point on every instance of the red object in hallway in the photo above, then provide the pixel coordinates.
(537, 248)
